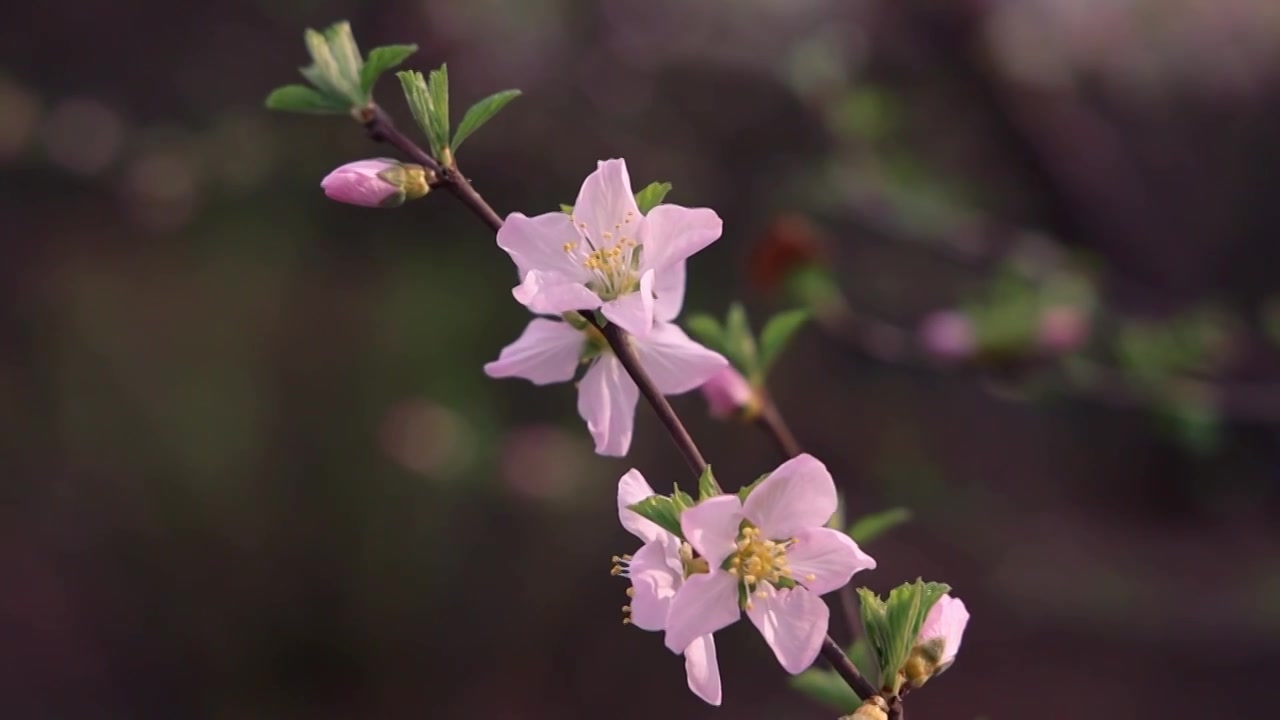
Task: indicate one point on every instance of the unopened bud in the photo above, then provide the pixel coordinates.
(728, 394)
(948, 335)
(938, 642)
(380, 182)
(873, 708)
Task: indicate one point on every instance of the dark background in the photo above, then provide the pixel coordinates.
(252, 468)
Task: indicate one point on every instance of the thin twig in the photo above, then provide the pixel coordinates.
(381, 129)
(771, 420)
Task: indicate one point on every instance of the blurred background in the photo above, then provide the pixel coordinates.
(252, 467)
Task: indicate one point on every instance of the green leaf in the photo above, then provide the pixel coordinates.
(416, 95)
(303, 99)
(683, 500)
(707, 485)
(649, 198)
(481, 113)
(826, 687)
(342, 46)
(740, 343)
(323, 72)
(892, 626)
(662, 511)
(870, 527)
(380, 60)
(777, 333)
(566, 209)
(707, 330)
(745, 490)
(438, 92)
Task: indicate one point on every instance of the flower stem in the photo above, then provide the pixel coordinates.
(771, 420)
(381, 129)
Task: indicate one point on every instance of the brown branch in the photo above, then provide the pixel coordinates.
(771, 421)
(845, 668)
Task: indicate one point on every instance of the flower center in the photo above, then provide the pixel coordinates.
(759, 560)
(611, 256)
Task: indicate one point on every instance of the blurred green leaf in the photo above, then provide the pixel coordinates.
(683, 500)
(323, 72)
(649, 198)
(777, 333)
(342, 46)
(745, 490)
(662, 511)
(869, 527)
(707, 330)
(380, 60)
(481, 113)
(740, 342)
(707, 485)
(303, 99)
(826, 687)
(566, 209)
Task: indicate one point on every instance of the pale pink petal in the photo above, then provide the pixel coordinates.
(800, 494)
(633, 312)
(537, 243)
(546, 352)
(604, 201)
(668, 292)
(727, 392)
(632, 488)
(711, 527)
(607, 401)
(705, 603)
(946, 620)
(358, 183)
(793, 623)
(702, 669)
(655, 572)
(673, 233)
(829, 556)
(676, 363)
(550, 294)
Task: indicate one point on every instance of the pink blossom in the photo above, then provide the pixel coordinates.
(948, 335)
(380, 182)
(657, 571)
(550, 351)
(606, 254)
(773, 547)
(1063, 329)
(942, 631)
(728, 393)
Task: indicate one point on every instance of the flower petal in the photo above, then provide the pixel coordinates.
(546, 352)
(702, 669)
(607, 401)
(711, 527)
(673, 233)
(537, 243)
(947, 620)
(830, 556)
(550, 294)
(793, 623)
(633, 312)
(632, 488)
(604, 201)
(676, 363)
(705, 603)
(655, 572)
(800, 494)
(668, 292)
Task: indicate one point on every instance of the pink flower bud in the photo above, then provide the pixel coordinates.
(728, 393)
(947, 334)
(376, 183)
(1063, 329)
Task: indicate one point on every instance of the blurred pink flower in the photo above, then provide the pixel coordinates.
(779, 554)
(727, 393)
(606, 254)
(380, 182)
(948, 334)
(549, 351)
(1063, 329)
(657, 571)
